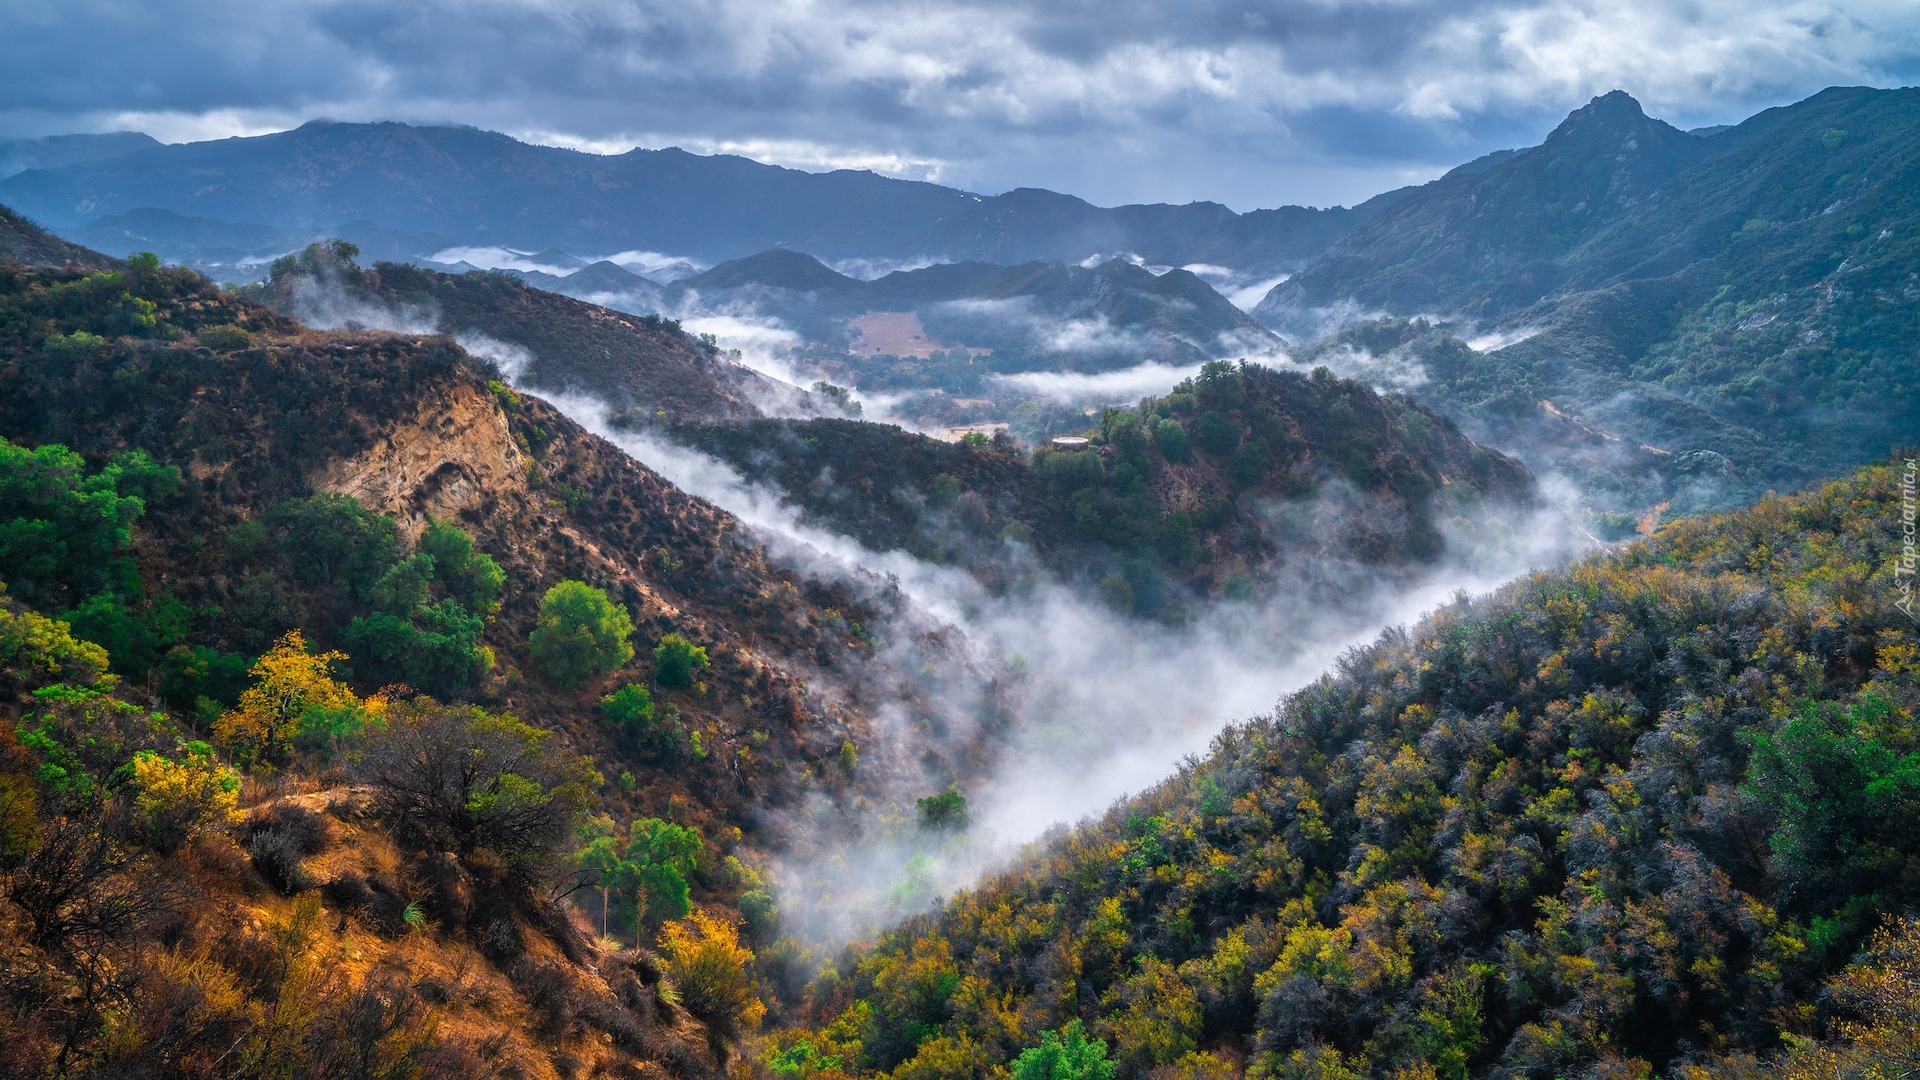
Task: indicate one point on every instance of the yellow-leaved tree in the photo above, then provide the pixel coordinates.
(707, 966)
(177, 799)
(290, 684)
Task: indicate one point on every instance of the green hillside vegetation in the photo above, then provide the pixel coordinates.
(1170, 503)
(1625, 819)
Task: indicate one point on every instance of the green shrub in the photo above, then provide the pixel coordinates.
(947, 810)
(189, 673)
(429, 613)
(470, 576)
(629, 709)
(1172, 440)
(1066, 1054)
(581, 634)
(224, 338)
(332, 536)
(675, 660)
(1216, 433)
(63, 530)
(1067, 473)
(1249, 463)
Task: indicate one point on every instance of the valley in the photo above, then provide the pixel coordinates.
(1467, 634)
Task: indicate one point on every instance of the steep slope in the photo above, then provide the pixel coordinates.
(1241, 481)
(1487, 241)
(160, 919)
(1618, 820)
(475, 187)
(259, 414)
(254, 410)
(23, 244)
(243, 477)
(1751, 305)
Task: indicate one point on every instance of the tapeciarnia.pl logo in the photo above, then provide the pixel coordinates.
(1909, 560)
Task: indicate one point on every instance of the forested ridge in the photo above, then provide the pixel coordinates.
(1624, 819)
(1236, 483)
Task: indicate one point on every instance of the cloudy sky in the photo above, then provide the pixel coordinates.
(1248, 102)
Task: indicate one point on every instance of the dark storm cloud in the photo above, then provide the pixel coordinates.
(1253, 103)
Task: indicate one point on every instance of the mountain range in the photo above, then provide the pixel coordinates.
(461, 186)
(1741, 301)
(364, 714)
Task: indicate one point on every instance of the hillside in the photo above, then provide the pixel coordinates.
(464, 186)
(1737, 295)
(1624, 819)
(546, 340)
(1241, 481)
(22, 243)
(213, 844)
(1487, 241)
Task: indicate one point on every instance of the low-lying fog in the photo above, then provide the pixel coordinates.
(1105, 704)
(1110, 703)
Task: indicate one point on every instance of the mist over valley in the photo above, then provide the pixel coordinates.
(477, 604)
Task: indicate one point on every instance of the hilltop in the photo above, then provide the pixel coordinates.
(633, 362)
(1242, 481)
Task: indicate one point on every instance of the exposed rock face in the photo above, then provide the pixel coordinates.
(455, 454)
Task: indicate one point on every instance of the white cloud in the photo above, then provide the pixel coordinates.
(1256, 103)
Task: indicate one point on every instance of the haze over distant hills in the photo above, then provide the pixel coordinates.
(464, 186)
(55, 151)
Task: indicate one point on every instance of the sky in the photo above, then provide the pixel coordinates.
(1253, 104)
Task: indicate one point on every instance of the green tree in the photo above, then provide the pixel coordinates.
(430, 610)
(581, 634)
(63, 530)
(1066, 1054)
(1843, 801)
(675, 660)
(648, 879)
(1216, 433)
(629, 710)
(470, 576)
(947, 810)
(1172, 439)
(332, 536)
(189, 673)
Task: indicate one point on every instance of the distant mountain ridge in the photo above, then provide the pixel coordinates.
(1173, 316)
(55, 151)
(1740, 301)
(477, 187)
